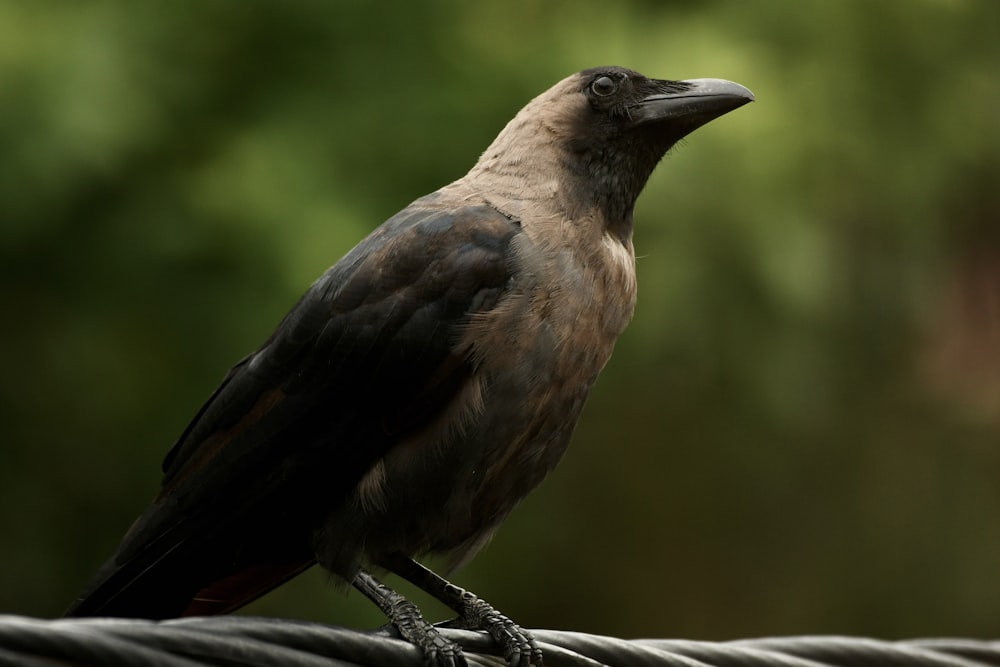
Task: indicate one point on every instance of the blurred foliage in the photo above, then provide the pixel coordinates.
(798, 433)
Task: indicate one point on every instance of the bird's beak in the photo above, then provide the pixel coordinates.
(702, 101)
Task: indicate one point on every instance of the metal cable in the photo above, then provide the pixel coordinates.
(240, 641)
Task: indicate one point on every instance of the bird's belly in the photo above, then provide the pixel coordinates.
(447, 489)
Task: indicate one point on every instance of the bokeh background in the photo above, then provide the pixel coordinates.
(800, 432)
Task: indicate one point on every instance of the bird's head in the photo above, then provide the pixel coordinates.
(597, 135)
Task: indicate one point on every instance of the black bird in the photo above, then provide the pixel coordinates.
(425, 383)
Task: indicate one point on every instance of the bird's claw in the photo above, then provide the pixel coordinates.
(519, 646)
(438, 650)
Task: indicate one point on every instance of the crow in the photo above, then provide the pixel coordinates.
(425, 383)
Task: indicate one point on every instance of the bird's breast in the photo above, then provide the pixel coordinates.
(537, 356)
(534, 357)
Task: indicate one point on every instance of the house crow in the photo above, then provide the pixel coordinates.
(425, 383)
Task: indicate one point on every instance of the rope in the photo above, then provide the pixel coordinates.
(238, 641)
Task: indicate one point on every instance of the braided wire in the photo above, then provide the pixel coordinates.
(240, 641)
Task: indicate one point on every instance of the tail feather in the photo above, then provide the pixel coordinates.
(190, 578)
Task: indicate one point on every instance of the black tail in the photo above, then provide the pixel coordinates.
(167, 579)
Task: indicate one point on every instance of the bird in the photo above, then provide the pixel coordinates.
(425, 383)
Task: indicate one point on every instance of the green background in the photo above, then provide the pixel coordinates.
(800, 431)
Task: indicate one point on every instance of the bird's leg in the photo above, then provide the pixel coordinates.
(519, 647)
(406, 618)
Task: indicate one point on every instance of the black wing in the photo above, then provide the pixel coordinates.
(368, 355)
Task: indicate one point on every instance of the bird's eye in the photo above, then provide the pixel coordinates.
(603, 86)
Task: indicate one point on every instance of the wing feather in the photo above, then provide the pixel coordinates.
(366, 356)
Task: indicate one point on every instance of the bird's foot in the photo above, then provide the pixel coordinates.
(519, 646)
(411, 625)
